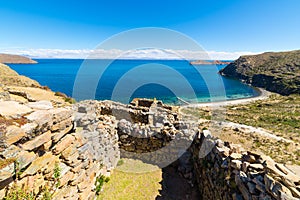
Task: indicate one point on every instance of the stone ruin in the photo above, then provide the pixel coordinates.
(87, 140)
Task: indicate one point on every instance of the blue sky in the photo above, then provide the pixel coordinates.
(217, 25)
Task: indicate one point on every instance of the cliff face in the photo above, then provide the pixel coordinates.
(15, 59)
(276, 72)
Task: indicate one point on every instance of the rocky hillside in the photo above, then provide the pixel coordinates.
(15, 59)
(11, 77)
(14, 87)
(277, 72)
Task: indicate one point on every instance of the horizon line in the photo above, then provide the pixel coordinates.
(145, 54)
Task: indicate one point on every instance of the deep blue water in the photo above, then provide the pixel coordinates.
(137, 78)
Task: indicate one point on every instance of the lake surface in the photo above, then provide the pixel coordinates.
(123, 80)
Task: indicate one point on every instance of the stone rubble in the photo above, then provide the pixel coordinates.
(88, 139)
(244, 175)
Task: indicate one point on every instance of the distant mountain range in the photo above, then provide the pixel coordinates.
(277, 72)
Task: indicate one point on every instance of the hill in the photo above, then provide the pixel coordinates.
(15, 59)
(277, 72)
(15, 87)
(12, 78)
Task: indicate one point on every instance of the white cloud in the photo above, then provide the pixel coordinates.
(132, 54)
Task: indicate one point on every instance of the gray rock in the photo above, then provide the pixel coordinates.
(252, 188)
(242, 188)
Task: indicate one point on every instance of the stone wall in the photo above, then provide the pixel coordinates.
(41, 139)
(151, 132)
(219, 169)
(230, 172)
(87, 140)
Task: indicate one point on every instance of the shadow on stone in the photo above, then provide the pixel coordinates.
(177, 185)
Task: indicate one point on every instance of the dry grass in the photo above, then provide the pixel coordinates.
(124, 185)
(280, 115)
(11, 77)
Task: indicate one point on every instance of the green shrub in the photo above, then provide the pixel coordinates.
(57, 174)
(100, 182)
(66, 98)
(60, 94)
(70, 100)
(19, 193)
(120, 162)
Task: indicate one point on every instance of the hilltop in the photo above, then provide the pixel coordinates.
(277, 72)
(15, 87)
(15, 59)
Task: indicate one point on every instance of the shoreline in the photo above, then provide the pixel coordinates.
(263, 94)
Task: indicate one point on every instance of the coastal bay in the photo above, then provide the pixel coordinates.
(60, 75)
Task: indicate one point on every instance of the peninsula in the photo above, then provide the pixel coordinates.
(276, 72)
(15, 59)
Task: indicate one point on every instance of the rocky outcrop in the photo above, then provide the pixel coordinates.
(276, 72)
(15, 59)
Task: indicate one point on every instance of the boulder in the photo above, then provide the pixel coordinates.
(242, 188)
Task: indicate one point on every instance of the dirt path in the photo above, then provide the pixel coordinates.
(175, 187)
(253, 130)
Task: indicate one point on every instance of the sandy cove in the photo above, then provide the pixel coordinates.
(264, 94)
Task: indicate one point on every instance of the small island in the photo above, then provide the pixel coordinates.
(209, 62)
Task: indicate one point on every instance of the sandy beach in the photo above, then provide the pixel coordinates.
(264, 94)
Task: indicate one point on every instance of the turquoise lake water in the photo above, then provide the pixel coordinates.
(164, 79)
